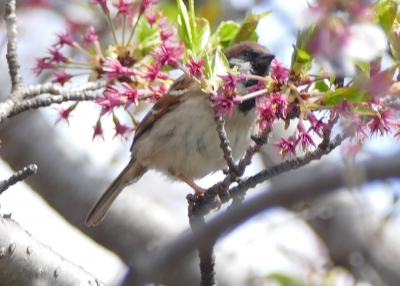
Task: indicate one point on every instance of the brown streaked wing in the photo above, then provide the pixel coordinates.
(180, 86)
(176, 92)
(163, 106)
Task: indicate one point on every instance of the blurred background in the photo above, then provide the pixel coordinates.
(347, 237)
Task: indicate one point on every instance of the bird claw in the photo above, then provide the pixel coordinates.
(218, 202)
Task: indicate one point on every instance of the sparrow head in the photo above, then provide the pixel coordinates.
(250, 58)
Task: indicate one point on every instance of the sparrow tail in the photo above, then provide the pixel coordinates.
(130, 174)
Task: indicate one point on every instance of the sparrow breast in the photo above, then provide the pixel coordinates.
(186, 142)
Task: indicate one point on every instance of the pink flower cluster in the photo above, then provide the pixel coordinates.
(226, 99)
(132, 75)
(113, 97)
(302, 137)
(271, 107)
(279, 71)
(383, 122)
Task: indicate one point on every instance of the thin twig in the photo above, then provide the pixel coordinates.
(284, 167)
(34, 103)
(12, 107)
(17, 177)
(204, 204)
(225, 146)
(260, 141)
(285, 192)
(12, 57)
(222, 187)
(206, 255)
(51, 88)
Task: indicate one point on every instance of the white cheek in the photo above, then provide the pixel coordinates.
(243, 67)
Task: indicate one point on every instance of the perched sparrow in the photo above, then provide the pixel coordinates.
(178, 137)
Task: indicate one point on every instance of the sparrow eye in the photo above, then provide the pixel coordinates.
(246, 53)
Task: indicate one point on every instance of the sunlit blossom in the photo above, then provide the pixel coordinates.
(195, 68)
(287, 146)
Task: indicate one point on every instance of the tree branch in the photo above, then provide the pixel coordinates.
(12, 57)
(17, 177)
(204, 204)
(11, 107)
(51, 88)
(226, 149)
(284, 167)
(35, 103)
(26, 261)
(206, 253)
(72, 180)
(287, 190)
(196, 219)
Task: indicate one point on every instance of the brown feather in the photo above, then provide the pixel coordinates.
(171, 100)
(131, 173)
(236, 50)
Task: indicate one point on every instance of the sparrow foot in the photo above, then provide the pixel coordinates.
(198, 191)
(218, 203)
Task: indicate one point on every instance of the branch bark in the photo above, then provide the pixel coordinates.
(26, 261)
(17, 177)
(69, 180)
(12, 56)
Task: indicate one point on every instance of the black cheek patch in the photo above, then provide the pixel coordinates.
(247, 105)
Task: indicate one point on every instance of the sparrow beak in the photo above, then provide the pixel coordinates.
(263, 62)
(265, 59)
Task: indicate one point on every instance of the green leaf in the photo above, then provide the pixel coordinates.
(394, 41)
(227, 30)
(321, 86)
(148, 37)
(192, 21)
(169, 10)
(224, 33)
(220, 63)
(184, 30)
(219, 66)
(386, 11)
(284, 280)
(207, 66)
(302, 55)
(361, 79)
(365, 110)
(202, 35)
(303, 36)
(364, 66)
(301, 60)
(332, 78)
(352, 94)
(247, 29)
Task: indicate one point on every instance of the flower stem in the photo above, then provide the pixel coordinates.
(111, 24)
(133, 29)
(253, 94)
(294, 91)
(123, 30)
(81, 49)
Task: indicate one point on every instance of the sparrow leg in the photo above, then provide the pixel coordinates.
(197, 190)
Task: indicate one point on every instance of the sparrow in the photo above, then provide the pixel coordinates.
(178, 136)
